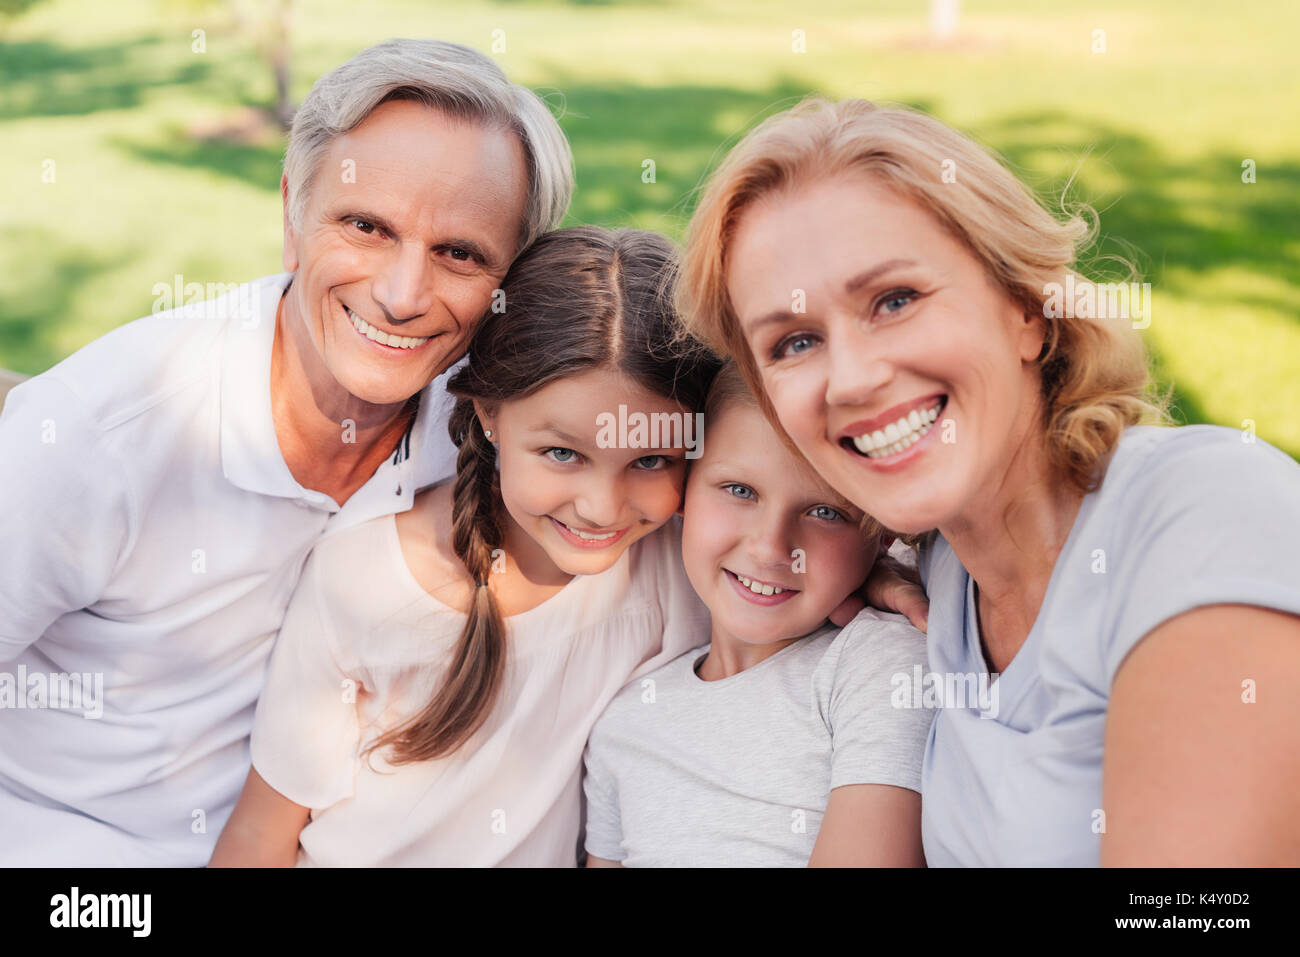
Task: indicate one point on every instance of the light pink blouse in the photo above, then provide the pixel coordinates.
(363, 646)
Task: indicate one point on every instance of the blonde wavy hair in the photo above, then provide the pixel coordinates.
(1095, 375)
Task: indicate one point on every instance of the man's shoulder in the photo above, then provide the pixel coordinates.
(139, 365)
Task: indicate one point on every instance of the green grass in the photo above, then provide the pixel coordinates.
(1153, 132)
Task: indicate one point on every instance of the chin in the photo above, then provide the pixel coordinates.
(586, 564)
(907, 520)
(380, 390)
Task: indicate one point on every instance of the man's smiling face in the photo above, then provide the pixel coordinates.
(410, 224)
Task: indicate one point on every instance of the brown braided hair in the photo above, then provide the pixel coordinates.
(578, 300)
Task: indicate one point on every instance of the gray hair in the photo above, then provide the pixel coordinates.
(447, 76)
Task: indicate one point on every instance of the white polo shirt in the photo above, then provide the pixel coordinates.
(150, 537)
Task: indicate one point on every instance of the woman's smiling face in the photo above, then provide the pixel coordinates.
(577, 504)
(909, 378)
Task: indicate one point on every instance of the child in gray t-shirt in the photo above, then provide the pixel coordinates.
(778, 742)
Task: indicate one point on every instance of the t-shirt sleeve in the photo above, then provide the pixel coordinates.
(306, 732)
(67, 515)
(1207, 519)
(604, 825)
(873, 740)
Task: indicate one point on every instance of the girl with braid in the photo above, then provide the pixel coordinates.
(437, 674)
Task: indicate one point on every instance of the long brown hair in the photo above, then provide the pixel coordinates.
(577, 300)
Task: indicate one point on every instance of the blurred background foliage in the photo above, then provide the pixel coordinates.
(165, 143)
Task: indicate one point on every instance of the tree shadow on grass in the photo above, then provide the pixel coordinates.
(39, 78)
(1253, 227)
(40, 299)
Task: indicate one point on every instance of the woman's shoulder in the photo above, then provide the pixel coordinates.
(1204, 466)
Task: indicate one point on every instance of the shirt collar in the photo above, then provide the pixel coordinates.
(250, 451)
(424, 456)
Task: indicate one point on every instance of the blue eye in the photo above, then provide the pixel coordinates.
(653, 463)
(826, 512)
(787, 346)
(903, 296)
(743, 492)
(562, 456)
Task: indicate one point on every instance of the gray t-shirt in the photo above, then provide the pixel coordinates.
(1185, 517)
(737, 772)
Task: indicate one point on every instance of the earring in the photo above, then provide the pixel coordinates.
(487, 433)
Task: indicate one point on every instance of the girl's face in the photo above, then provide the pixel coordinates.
(758, 518)
(580, 505)
(910, 379)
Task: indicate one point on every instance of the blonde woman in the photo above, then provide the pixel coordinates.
(1126, 593)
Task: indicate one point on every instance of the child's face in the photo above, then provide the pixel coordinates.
(757, 516)
(578, 504)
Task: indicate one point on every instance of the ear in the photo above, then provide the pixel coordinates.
(289, 254)
(487, 418)
(1031, 336)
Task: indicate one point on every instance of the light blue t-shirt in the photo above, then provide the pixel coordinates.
(1185, 517)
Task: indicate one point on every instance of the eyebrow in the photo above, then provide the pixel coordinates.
(556, 431)
(383, 223)
(863, 278)
(722, 472)
(552, 429)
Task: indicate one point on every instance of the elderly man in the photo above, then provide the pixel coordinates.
(163, 486)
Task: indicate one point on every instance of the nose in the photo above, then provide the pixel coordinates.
(599, 502)
(403, 286)
(770, 543)
(859, 365)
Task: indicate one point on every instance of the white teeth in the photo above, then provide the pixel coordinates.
(587, 536)
(897, 436)
(757, 587)
(383, 338)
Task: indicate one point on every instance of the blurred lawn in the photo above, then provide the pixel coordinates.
(1154, 132)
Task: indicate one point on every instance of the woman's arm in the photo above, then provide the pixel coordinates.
(262, 830)
(1202, 752)
(870, 825)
